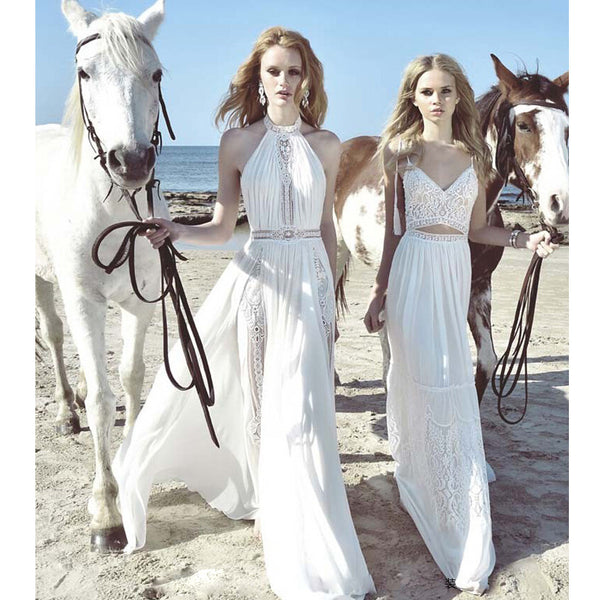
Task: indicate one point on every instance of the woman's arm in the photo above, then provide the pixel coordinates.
(329, 153)
(482, 233)
(390, 242)
(220, 228)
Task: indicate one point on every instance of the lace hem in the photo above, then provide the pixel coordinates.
(435, 438)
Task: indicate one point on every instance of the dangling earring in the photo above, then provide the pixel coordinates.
(261, 93)
(304, 101)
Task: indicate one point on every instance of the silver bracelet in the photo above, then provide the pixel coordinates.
(514, 234)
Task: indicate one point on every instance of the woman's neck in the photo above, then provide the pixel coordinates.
(283, 117)
(442, 132)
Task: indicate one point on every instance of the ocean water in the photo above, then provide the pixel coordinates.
(188, 168)
(195, 169)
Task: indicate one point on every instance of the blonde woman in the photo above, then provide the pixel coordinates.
(268, 329)
(436, 163)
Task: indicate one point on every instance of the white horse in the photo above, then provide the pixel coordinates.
(118, 76)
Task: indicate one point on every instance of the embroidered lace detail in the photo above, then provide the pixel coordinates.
(445, 453)
(426, 203)
(437, 237)
(285, 234)
(284, 159)
(326, 304)
(252, 307)
(282, 128)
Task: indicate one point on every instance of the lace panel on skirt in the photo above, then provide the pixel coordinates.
(326, 303)
(252, 307)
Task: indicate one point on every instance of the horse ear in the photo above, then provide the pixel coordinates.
(563, 81)
(507, 80)
(152, 17)
(78, 17)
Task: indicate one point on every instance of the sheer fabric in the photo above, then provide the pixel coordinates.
(267, 327)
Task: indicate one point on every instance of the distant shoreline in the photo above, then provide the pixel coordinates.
(195, 207)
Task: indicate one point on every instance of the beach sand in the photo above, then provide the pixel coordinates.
(195, 552)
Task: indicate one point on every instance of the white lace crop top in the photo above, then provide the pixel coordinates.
(426, 203)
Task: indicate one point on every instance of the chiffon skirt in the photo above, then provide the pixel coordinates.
(432, 409)
(267, 327)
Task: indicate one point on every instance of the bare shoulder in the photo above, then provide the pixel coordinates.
(238, 143)
(323, 139)
(327, 146)
(237, 136)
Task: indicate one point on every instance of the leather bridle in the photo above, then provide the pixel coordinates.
(191, 344)
(506, 161)
(516, 351)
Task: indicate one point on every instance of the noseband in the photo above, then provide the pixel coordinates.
(171, 285)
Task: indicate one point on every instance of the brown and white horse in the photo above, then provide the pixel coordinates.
(524, 119)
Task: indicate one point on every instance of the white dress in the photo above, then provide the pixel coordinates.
(432, 409)
(268, 331)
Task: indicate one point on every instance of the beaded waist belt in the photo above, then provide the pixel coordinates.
(285, 234)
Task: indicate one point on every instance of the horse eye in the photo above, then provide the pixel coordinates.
(523, 126)
(82, 74)
(157, 76)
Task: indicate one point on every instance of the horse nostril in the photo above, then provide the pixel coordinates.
(113, 160)
(151, 158)
(554, 203)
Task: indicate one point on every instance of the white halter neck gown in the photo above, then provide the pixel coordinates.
(267, 327)
(433, 417)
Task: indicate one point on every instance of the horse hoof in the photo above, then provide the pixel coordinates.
(69, 427)
(109, 541)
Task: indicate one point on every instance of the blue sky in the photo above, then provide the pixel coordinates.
(363, 45)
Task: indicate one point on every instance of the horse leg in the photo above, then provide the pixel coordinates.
(81, 390)
(51, 328)
(385, 350)
(480, 323)
(87, 321)
(135, 318)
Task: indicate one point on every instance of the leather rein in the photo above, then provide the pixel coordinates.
(515, 355)
(191, 344)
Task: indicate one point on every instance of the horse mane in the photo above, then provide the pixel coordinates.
(121, 39)
(494, 111)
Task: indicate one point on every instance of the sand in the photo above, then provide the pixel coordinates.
(195, 552)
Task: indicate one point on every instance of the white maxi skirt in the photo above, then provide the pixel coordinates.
(433, 417)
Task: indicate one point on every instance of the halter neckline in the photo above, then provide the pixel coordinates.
(282, 128)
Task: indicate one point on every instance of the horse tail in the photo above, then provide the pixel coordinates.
(341, 302)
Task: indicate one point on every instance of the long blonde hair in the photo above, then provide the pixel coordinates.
(241, 107)
(406, 121)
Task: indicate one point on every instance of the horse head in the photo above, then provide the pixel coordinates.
(527, 125)
(117, 89)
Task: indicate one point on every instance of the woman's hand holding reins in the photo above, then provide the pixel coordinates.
(372, 319)
(541, 243)
(165, 229)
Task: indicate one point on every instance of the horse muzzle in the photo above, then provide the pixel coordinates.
(555, 209)
(131, 167)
